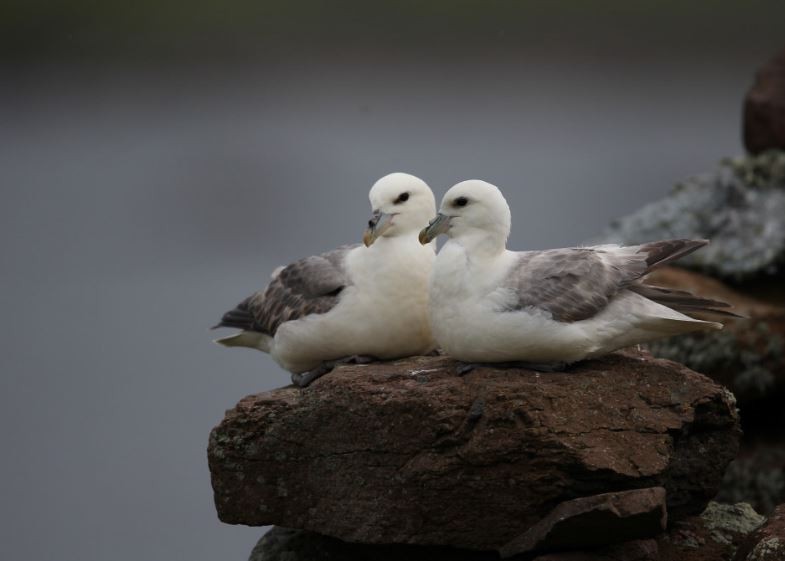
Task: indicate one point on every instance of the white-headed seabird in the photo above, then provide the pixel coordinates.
(353, 304)
(546, 308)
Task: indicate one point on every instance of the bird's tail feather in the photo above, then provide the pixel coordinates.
(683, 301)
(687, 324)
(248, 339)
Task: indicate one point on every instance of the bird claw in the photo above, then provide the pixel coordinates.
(305, 379)
(465, 368)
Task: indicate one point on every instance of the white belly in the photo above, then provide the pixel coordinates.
(475, 332)
(384, 316)
(469, 322)
(303, 344)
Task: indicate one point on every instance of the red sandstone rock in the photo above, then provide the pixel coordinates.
(408, 452)
(593, 521)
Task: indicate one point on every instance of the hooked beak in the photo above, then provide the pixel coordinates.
(379, 223)
(438, 225)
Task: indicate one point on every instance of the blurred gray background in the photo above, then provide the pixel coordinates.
(159, 159)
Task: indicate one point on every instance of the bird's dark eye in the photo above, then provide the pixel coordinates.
(402, 198)
(461, 201)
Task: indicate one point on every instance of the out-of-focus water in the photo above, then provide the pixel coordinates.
(138, 205)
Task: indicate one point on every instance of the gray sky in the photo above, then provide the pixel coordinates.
(142, 201)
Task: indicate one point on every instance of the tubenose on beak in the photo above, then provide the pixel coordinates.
(379, 223)
(439, 225)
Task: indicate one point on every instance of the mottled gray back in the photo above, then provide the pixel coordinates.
(572, 284)
(309, 286)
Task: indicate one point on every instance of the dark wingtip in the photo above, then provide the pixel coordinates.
(666, 251)
(732, 314)
(722, 313)
(694, 245)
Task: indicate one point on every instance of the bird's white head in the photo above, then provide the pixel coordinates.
(474, 213)
(401, 204)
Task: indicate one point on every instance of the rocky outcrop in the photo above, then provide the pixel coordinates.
(740, 207)
(409, 452)
(587, 522)
(767, 543)
(764, 108)
(287, 544)
(723, 532)
(748, 356)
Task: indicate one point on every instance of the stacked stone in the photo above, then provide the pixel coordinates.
(500, 460)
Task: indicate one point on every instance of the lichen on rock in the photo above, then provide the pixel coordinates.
(726, 520)
(764, 170)
(767, 543)
(740, 207)
(714, 535)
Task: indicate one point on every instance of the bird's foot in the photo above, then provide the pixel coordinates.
(466, 367)
(305, 379)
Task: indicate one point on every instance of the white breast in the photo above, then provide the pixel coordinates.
(471, 318)
(384, 313)
(468, 299)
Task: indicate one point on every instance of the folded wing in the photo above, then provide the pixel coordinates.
(309, 286)
(578, 283)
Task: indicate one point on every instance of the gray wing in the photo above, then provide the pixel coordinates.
(309, 286)
(577, 283)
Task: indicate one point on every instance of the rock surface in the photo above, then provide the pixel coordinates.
(594, 521)
(764, 108)
(767, 543)
(748, 357)
(408, 452)
(714, 535)
(286, 544)
(740, 207)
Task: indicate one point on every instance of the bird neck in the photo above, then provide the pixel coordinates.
(483, 244)
(405, 244)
